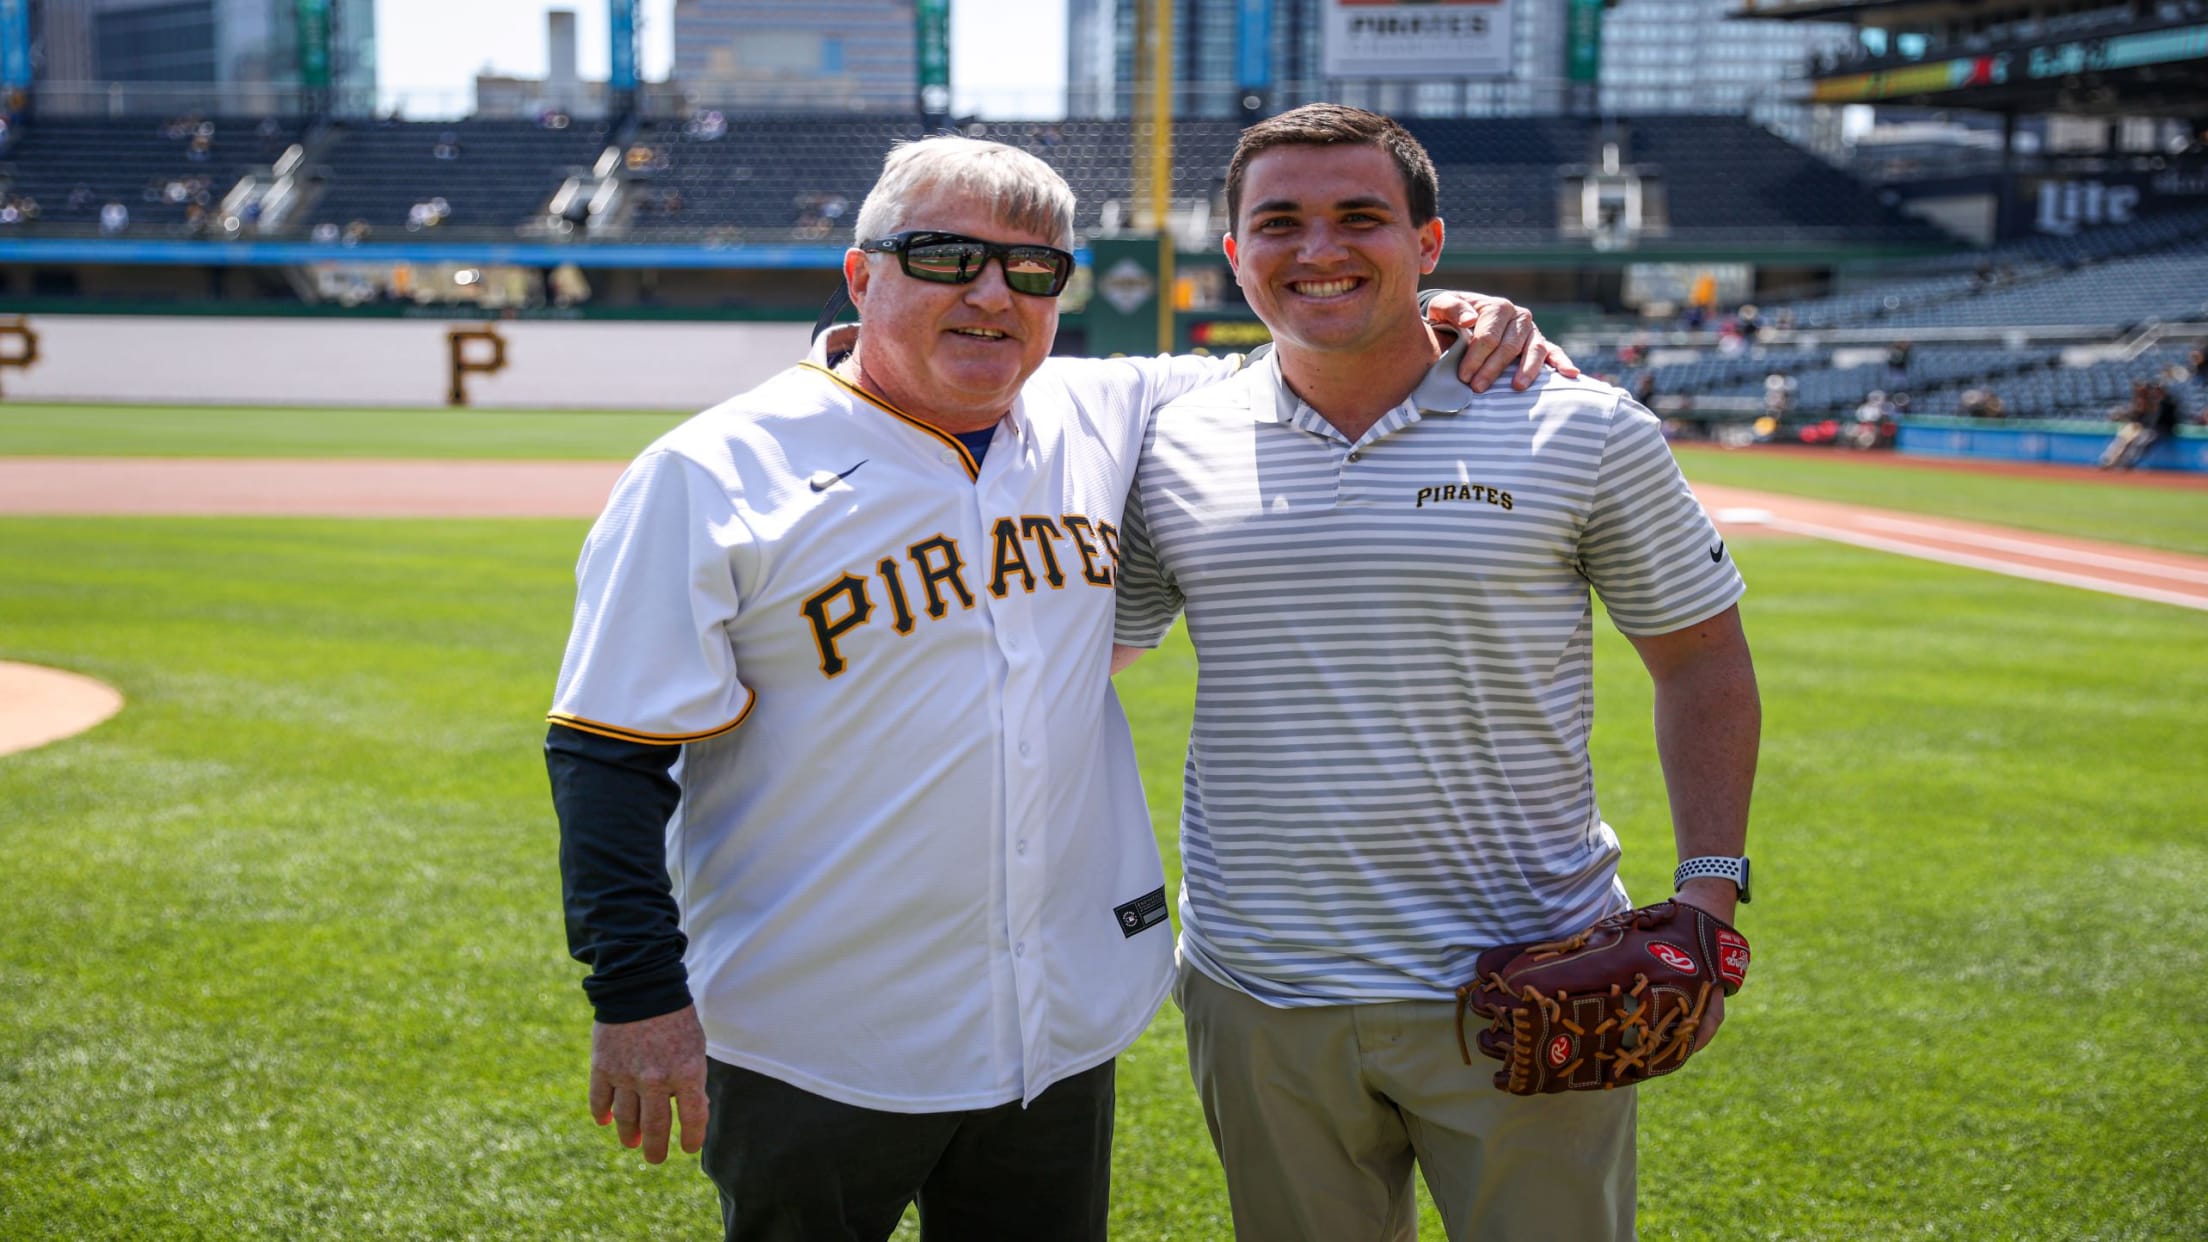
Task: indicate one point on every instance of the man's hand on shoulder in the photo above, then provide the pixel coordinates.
(636, 1067)
(1496, 332)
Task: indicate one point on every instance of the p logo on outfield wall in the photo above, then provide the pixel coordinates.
(18, 343)
(464, 361)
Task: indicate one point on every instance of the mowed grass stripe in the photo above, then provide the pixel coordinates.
(286, 961)
(2091, 506)
(251, 431)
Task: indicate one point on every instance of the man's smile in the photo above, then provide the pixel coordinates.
(1324, 288)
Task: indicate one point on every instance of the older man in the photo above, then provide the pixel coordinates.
(1386, 579)
(851, 829)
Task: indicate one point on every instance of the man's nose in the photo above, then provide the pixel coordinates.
(1321, 242)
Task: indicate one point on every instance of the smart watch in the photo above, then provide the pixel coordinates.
(1734, 869)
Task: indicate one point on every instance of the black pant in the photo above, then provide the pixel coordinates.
(794, 1167)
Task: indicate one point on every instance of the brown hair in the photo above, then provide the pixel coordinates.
(1326, 125)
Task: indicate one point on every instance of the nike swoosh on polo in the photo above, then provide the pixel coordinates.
(823, 480)
(1716, 554)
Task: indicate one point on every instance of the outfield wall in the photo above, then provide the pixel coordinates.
(2053, 443)
(360, 362)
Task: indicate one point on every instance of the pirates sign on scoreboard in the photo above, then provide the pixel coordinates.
(1417, 38)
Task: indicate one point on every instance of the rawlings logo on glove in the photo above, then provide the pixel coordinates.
(1613, 1005)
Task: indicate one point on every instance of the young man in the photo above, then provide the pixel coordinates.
(1386, 580)
(851, 831)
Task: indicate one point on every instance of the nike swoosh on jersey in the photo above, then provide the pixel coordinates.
(1716, 554)
(822, 480)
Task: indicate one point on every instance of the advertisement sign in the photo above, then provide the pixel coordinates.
(15, 44)
(2068, 206)
(314, 44)
(1253, 48)
(1583, 32)
(934, 47)
(621, 27)
(1417, 39)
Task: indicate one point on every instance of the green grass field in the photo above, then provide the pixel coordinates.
(285, 950)
(209, 431)
(284, 953)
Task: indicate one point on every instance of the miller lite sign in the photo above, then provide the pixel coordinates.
(2064, 207)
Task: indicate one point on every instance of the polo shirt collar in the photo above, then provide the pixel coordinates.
(1441, 392)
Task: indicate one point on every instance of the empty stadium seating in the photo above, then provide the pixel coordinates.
(501, 174)
(72, 167)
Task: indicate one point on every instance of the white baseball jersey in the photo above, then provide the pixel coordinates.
(912, 854)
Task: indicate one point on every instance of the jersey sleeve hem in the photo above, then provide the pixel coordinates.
(618, 733)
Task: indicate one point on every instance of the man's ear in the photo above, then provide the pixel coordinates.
(856, 272)
(1226, 243)
(1429, 246)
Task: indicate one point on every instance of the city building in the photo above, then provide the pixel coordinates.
(1656, 56)
(771, 54)
(236, 56)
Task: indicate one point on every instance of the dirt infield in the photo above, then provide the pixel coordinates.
(2114, 568)
(41, 705)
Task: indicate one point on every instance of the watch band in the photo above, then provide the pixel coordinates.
(1716, 867)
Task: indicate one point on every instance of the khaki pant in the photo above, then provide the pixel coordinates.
(1319, 1114)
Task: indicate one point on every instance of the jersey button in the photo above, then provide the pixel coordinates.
(1356, 456)
(1021, 847)
(1020, 949)
(1026, 749)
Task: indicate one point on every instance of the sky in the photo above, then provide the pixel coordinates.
(429, 51)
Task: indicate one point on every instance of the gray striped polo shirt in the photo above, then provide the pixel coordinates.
(1388, 767)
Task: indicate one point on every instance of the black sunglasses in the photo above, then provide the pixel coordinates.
(956, 259)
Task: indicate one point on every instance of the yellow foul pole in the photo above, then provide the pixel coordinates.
(1154, 149)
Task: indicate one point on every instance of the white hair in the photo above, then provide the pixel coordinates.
(1022, 191)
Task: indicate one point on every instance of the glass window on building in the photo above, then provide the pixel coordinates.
(161, 43)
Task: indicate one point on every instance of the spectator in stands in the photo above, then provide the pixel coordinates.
(448, 146)
(1980, 403)
(2190, 369)
(2151, 416)
(355, 233)
(708, 125)
(325, 232)
(1897, 363)
(80, 196)
(427, 214)
(199, 148)
(114, 217)
(1778, 394)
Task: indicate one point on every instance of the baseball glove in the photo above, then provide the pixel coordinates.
(1618, 1003)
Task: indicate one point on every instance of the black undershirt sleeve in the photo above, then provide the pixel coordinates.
(614, 799)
